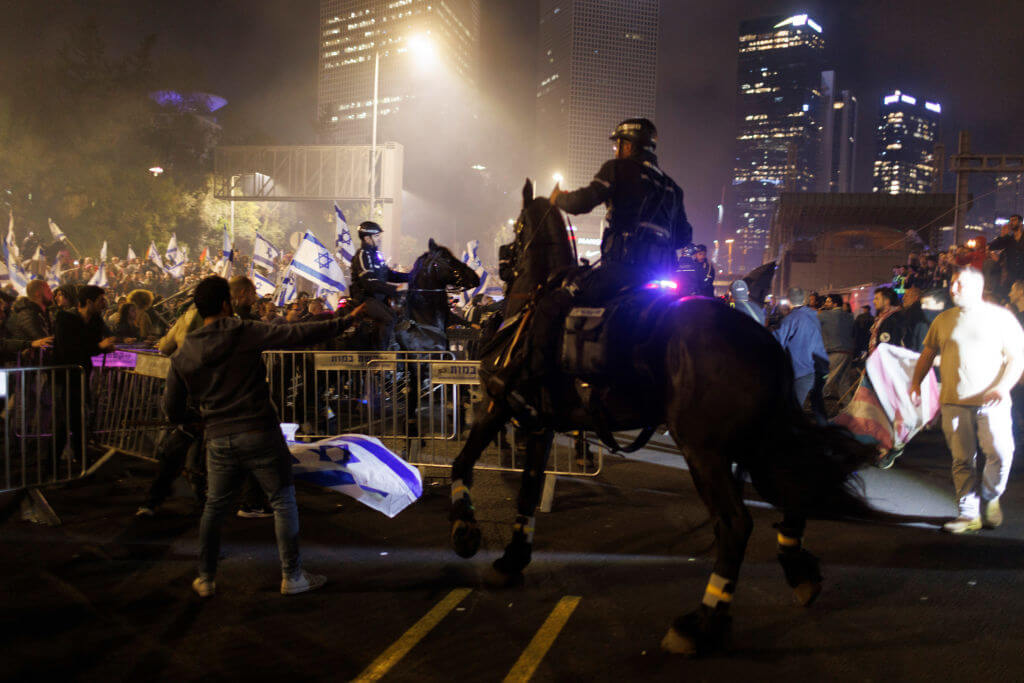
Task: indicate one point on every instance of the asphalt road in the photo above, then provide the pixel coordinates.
(107, 596)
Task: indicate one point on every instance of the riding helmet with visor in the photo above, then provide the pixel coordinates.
(368, 228)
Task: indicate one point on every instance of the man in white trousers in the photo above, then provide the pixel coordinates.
(981, 350)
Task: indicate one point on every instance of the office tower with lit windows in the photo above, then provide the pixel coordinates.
(838, 137)
(1009, 195)
(907, 130)
(597, 65)
(778, 141)
(353, 32)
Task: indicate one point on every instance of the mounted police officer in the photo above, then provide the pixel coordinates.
(371, 280)
(645, 222)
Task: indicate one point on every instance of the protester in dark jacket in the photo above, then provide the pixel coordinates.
(29, 318)
(915, 324)
(888, 327)
(800, 334)
(220, 368)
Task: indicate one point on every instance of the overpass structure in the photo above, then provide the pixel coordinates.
(316, 173)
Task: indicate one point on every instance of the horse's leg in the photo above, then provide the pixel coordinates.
(509, 567)
(803, 572)
(707, 628)
(465, 534)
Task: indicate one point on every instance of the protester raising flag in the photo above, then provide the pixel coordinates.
(264, 253)
(100, 278)
(314, 262)
(344, 251)
(153, 255)
(131, 253)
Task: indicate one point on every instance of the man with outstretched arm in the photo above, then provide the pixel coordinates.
(981, 350)
(220, 366)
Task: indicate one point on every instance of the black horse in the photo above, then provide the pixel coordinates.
(724, 387)
(427, 312)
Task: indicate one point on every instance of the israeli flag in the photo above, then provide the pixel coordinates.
(471, 259)
(11, 242)
(100, 278)
(264, 286)
(264, 253)
(286, 292)
(227, 249)
(344, 250)
(171, 255)
(314, 262)
(153, 255)
(18, 277)
(103, 252)
(55, 230)
(361, 467)
(131, 254)
(38, 256)
(53, 274)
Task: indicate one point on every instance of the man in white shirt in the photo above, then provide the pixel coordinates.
(981, 349)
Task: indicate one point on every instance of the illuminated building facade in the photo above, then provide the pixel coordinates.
(778, 143)
(352, 32)
(839, 137)
(597, 65)
(1009, 196)
(905, 158)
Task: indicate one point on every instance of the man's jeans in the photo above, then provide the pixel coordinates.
(966, 428)
(228, 458)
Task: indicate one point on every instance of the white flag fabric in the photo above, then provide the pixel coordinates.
(227, 248)
(264, 253)
(314, 262)
(131, 254)
(18, 278)
(472, 259)
(38, 256)
(171, 255)
(53, 274)
(100, 277)
(103, 252)
(55, 230)
(361, 467)
(286, 292)
(153, 255)
(344, 250)
(11, 242)
(264, 286)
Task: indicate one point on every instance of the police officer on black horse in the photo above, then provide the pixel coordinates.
(646, 228)
(646, 221)
(371, 280)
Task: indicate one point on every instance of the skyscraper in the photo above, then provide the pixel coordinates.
(905, 157)
(839, 137)
(597, 65)
(353, 32)
(779, 123)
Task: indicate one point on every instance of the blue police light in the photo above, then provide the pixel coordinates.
(670, 285)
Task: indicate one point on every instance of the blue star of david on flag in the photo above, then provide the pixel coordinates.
(314, 262)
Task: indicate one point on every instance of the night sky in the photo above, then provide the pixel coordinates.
(261, 55)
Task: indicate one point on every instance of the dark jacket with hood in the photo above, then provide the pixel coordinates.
(28, 320)
(220, 368)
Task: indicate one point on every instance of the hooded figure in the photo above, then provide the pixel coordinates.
(741, 301)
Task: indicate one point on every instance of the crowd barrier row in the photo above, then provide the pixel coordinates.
(41, 410)
(419, 404)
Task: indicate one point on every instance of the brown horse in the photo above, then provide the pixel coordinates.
(724, 387)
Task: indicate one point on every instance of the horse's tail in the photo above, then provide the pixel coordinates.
(811, 468)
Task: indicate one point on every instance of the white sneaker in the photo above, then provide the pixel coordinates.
(204, 588)
(304, 582)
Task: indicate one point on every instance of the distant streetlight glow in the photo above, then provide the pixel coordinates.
(422, 47)
(478, 167)
(156, 170)
(558, 178)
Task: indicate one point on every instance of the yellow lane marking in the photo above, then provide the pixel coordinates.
(394, 654)
(530, 659)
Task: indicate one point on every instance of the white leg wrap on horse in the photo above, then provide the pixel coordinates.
(459, 490)
(526, 525)
(788, 542)
(719, 590)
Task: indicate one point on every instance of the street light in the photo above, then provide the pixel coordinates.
(424, 48)
(558, 178)
(156, 170)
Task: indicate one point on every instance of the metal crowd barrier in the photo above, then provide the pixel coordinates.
(424, 410)
(44, 417)
(128, 390)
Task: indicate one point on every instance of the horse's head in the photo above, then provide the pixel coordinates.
(438, 269)
(542, 229)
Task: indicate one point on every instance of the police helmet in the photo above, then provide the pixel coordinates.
(641, 132)
(367, 228)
